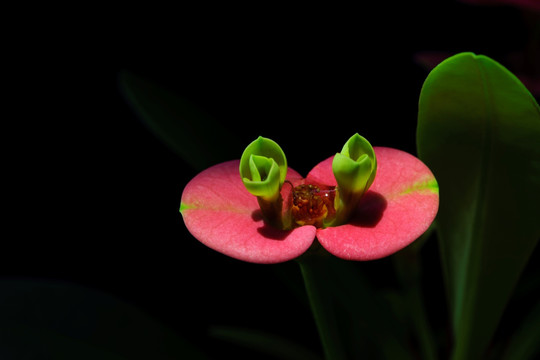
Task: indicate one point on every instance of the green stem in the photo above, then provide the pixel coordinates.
(347, 202)
(317, 282)
(272, 211)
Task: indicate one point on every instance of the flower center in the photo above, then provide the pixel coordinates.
(311, 205)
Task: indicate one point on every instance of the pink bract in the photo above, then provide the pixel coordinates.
(400, 206)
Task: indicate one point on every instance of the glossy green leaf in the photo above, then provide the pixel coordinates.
(265, 343)
(57, 320)
(479, 132)
(191, 133)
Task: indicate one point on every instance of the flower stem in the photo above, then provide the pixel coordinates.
(317, 283)
(408, 268)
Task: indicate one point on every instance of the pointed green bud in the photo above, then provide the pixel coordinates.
(355, 167)
(263, 168)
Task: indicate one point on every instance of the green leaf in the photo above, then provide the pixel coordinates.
(265, 343)
(479, 132)
(195, 136)
(56, 320)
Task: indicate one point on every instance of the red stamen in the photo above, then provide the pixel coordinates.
(311, 205)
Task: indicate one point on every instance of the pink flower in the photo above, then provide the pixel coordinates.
(398, 207)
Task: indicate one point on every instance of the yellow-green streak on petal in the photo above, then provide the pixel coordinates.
(185, 207)
(429, 185)
(220, 208)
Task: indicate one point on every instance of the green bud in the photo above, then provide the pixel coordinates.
(355, 167)
(263, 168)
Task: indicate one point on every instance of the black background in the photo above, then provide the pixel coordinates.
(94, 195)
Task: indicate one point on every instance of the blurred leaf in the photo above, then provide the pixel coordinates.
(525, 342)
(53, 320)
(263, 342)
(479, 132)
(195, 136)
(321, 299)
(353, 320)
(370, 311)
(407, 263)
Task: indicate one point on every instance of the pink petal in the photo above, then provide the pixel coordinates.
(219, 212)
(399, 207)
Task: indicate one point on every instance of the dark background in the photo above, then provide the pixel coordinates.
(95, 195)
